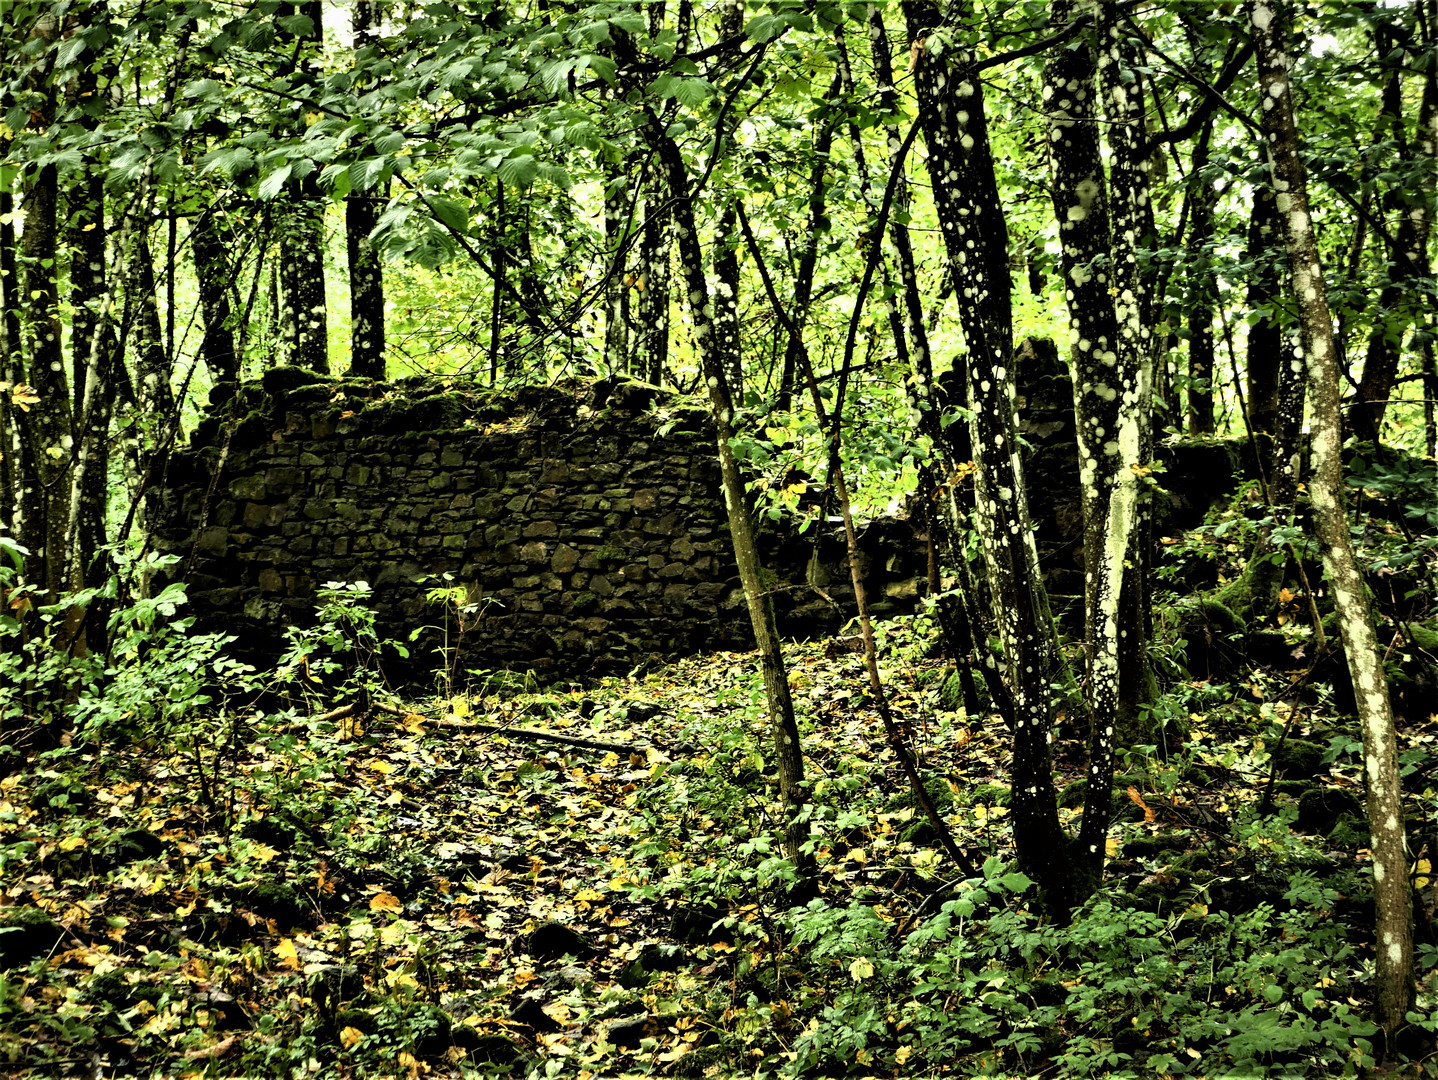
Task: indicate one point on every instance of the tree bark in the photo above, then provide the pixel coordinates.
(975, 236)
(618, 283)
(367, 329)
(1394, 984)
(1203, 293)
(1112, 366)
(788, 755)
(211, 246)
(301, 230)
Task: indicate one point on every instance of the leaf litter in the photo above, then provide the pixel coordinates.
(409, 895)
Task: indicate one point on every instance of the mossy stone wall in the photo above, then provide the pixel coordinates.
(590, 538)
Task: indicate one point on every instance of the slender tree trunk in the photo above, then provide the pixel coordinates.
(211, 246)
(726, 295)
(92, 347)
(1203, 293)
(619, 283)
(301, 228)
(652, 350)
(153, 392)
(788, 755)
(1265, 335)
(1394, 984)
(47, 428)
(500, 259)
(975, 236)
(362, 211)
(11, 365)
(367, 329)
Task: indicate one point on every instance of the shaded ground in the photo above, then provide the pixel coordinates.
(409, 896)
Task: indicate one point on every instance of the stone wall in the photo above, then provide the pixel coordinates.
(588, 528)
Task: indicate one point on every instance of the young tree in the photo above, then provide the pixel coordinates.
(971, 218)
(1394, 986)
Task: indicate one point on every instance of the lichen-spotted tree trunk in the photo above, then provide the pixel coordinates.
(971, 219)
(788, 756)
(1111, 363)
(1406, 258)
(304, 324)
(212, 248)
(618, 283)
(1392, 897)
(961, 616)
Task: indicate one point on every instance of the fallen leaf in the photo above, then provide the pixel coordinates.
(287, 955)
(385, 902)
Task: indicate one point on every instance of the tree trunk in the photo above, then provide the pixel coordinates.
(211, 246)
(1406, 260)
(1394, 985)
(788, 755)
(47, 428)
(367, 330)
(618, 282)
(975, 236)
(652, 347)
(1202, 293)
(1111, 364)
(301, 228)
(11, 366)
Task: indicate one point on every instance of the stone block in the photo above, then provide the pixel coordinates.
(564, 560)
(212, 541)
(248, 487)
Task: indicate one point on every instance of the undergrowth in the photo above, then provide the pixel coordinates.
(207, 871)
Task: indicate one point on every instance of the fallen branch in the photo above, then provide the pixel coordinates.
(523, 734)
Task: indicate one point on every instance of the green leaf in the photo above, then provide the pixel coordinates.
(274, 183)
(692, 93)
(452, 212)
(70, 51)
(1016, 882)
(519, 169)
(203, 88)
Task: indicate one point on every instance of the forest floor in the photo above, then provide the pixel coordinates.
(409, 895)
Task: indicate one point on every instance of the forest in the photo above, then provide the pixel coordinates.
(1174, 819)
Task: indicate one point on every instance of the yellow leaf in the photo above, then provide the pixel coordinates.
(1421, 870)
(288, 958)
(385, 902)
(1285, 597)
(861, 969)
(263, 852)
(349, 1036)
(589, 895)
(70, 843)
(1112, 846)
(901, 1055)
(384, 768)
(23, 397)
(1137, 800)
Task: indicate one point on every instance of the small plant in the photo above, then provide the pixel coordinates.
(463, 606)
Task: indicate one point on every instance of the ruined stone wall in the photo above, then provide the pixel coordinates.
(590, 538)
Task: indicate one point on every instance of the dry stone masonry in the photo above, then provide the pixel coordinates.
(587, 527)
